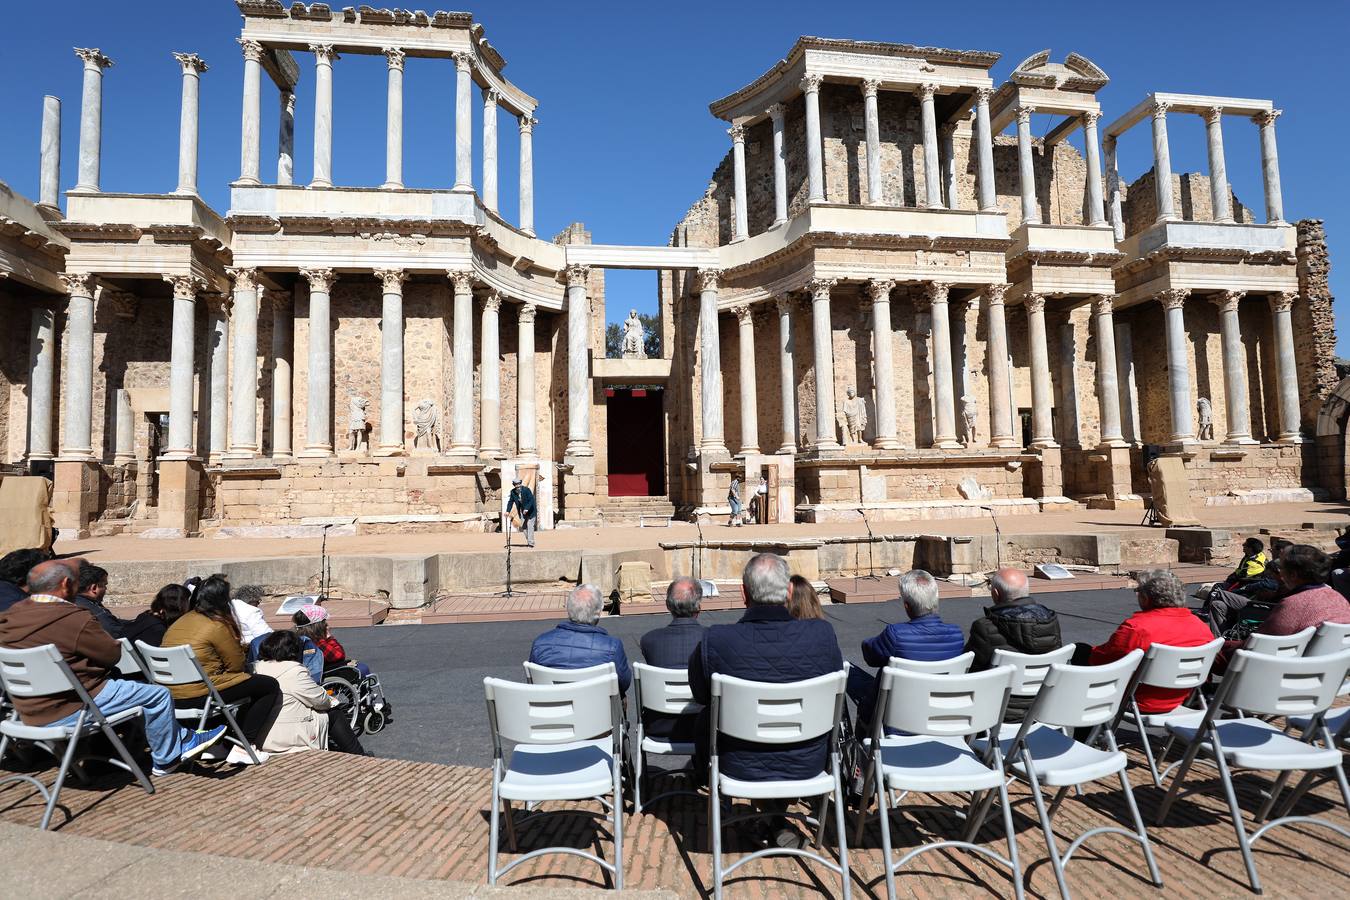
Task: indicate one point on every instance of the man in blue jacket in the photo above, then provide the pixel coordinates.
(924, 638)
(579, 643)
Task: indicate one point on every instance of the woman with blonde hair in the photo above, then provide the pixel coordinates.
(803, 603)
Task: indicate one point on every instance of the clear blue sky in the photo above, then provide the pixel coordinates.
(626, 142)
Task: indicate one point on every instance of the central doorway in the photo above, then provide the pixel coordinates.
(636, 442)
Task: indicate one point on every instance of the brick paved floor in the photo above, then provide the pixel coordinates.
(429, 821)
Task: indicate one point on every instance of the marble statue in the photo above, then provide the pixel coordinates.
(1205, 409)
(358, 427)
(853, 417)
(634, 337)
(968, 414)
(426, 419)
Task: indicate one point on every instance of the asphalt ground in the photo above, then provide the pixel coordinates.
(433, 674)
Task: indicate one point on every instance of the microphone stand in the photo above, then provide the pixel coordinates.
(698, 558)
(323, 565)
(871, 566)
(998, 537)
(506, 526)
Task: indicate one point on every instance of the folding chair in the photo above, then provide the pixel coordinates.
(664, 691)
(939, 714)
(1330, 637)
(1041, 754)
(1029, 672)
(1260, 684)
(41, 672)
(957, 665)
(130, 664)
(778, 714)
(567, 747)
(1175, 668)
(537, 674)
(171, 666)
(1279, 644)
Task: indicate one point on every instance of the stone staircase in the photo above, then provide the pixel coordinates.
(645, 511)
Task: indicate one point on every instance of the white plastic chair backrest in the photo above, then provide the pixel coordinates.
(1260, 684)
(1083, 696)
(957, 665)
(1032, 668)
(1330, 637)
(36, 672)
(129, 664)
(170, 665)
(777, 713)
(664, 690)
(553, 713)
(944, 705)
(1279, 644)
(537, 674)
(1166, 666)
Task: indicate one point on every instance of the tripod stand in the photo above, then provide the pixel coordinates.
(506, 526)
(871, 565)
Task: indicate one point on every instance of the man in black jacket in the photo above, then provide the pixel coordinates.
(522, 500)
(669, 647)
(93, 588)
(1015, 622)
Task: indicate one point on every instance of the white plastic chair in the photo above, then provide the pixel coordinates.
(1260, 684)
(939, 713)
(1330, 637)
(537, 674)
(42, 672)
(1030, 671)
(171, 666)
(567, 747)
(1173, 668)
(957, 665)
(776, 714)
(1279, 644)
(130, 664)
(664, 691)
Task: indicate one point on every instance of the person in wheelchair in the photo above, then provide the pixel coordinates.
(309, 718)
(351, 682)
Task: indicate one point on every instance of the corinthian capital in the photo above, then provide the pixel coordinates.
(994, 294)
(784, 304)
(743, 312)
(706, 279)
(1283, 301)
(1102, 304)
(78, 284)
(492, 302)
(319, 279)
(870, 86)
(1213, 115)
(463, 60)
(1173, 298)
(937, 291)
(394, 57)
(1024, 114)
(776, 112)
(525, 315)
(1092, 117)
(879, 289)
(461, 279)
(576, 275)
(983, 95)
(93, 56)
(1227, 301)
(927, 91)
(810, 83)
(737, 133)
(819, 288)
(1160, 108)
(185, 287)
(324, 54)
(1034, 303)
(1267, 117)
(491, 96)
(192, 63)
(245, 279)
(391, 280)
(527, 124)
(253, 50)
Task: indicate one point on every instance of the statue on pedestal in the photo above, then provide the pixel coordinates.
(1205, 409)
(634, 337)
(358, 427)
(968, 414)
(426, 419)
(853, 417)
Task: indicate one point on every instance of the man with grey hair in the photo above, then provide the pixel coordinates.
(579, 643)
(669, 647)
(1015, 622)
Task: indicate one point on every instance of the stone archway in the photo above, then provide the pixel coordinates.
(1333, 450)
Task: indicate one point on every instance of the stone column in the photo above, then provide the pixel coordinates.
(883, 364)
(873, 130)
(393, 132)
(1042, 423)
(749, 401)
(1096, 215)
(1237, 411)
(283, 350)
(391, 362)
(490, 98)
(193, 67)
(250, 127)
(218, 372)
(996, 350)
(944, 401)
(286, 138)
(91, 117)
(527, 443)
(932, 167)
(1066, 399)
(1220, 199)
(244, 376)
(984, 138)
(461, 422)
(41, 382)
(77, 369)
(1114, 210)
(490, 380)
(740, 217)
(1286, 367)
(324, 56)
(463, 121)
(1108, 390)
(822, 345)
(318, 391)
(815, 164)
(710, 364)
(947, 144)
(787, 378)
(1026, 168)
(181, 352)
(1125, 383)
(780, 204)
(49, 174)
(1162, 163)
(1178, 367)
(527, 124)
(1270, 165)
(578, 363)
(124, 428)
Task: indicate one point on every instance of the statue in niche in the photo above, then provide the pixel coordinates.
(853, 417)
(358, 427)
(634, 337)
(1205, 410)
(968, 414)
(426, 419)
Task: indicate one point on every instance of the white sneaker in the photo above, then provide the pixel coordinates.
(238, 756)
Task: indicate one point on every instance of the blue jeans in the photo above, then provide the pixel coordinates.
(162, 731)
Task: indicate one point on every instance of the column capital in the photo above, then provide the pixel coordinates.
(810, 83)
(1227, 301)
(1024, 114)
(926, 91)
(525, 314)
(819, 288)
(1103, 304)
(1283, 301)
(1160, 108)
(744, 313)
(737, 132)
(879, 290)
(576, 275)
(1173, 298)
(491, 96)
(984, 95)
(936, 292)
(1213, 114)
(463, 60)
(461, 279)
(324, 54)
(706, 279)
(93, 58)
(319, 279)
(527, 124)
(394, 57)
(492, 301)
(192, 63)
(1267, 117)
(391, 280)
(870, 86)
(776, 112)
(784, 304)
(78, 284)
(245, 279)
(1034, 303)
(185, 287)
(1092, 117)
(253, 50)
(994, 293)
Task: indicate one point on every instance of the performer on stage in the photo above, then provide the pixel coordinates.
(522, 499)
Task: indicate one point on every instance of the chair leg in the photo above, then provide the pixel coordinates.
(841, 831)
(1012, 840)
(1244, 844)
(864, 802)
(493, 825)
(1192, 750)
(234, 727)
(1059, 798)
(122, 751)
(66, 759)
(638, 768)
(510, 826)
(819, 839)
(884, 814)
(715, 834)
(979, 811)
(1139, 828)
(1276, 787)
(618, 826)
(1055, 862)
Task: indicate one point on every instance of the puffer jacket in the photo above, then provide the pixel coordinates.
(1023, 626)
(574, 646)
(925, 639)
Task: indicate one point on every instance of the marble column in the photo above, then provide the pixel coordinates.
(932, 167)
(182, 349)
(218, 308)
(710, 364)
(283, 354)
(244, 374)
(787, 377)
(49, 172)
(490, 99)
(883, 364)
(1114, 207)
(1125, 383)
(996, 349)
(1219, 197)
(873, 131)
(319, 388)
(745, 316)
(780, 204)
(947, 146)
(286, 138)
(944, 400)
(124, 428)
(527, 442)
(193, 67)
(579, 363)
(77, 368)
(984, 139)
(1108, 390)
(391, 362)
(393, 131)
(1026, 167)
(1066, 399)
(490, 379)
(1162, 163)
(1096, 214)
(250, 126)
(324, 56)
(1178, 365)
(527, 124)
(41, 382)
(461, 420)
(822, 346)
(815, 164)
(1270, 166)
(1042, 423)
(91, 117)
(1286, 368)
(463, 121)
(1237, 411)
(740, 217)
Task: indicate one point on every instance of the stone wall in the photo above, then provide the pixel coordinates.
(1190, 198)
(1314, 321)
(14, 368)
(1264, 468)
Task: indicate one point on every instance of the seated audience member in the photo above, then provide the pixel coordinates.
(1015, 622)
(311, 621)
(311, 657)
(1251, 566)
(669, 647)
(168, 607)
(579, 643)
(1308, 600)
(93, 588)
(210, 630)
(47, 616)
(803, 602)
(247, 604)
(1235, 600)
(924, 638)
(307, 719)
(14, 569)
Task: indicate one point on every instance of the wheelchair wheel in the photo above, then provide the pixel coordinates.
(345, 696)
(374, 722)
